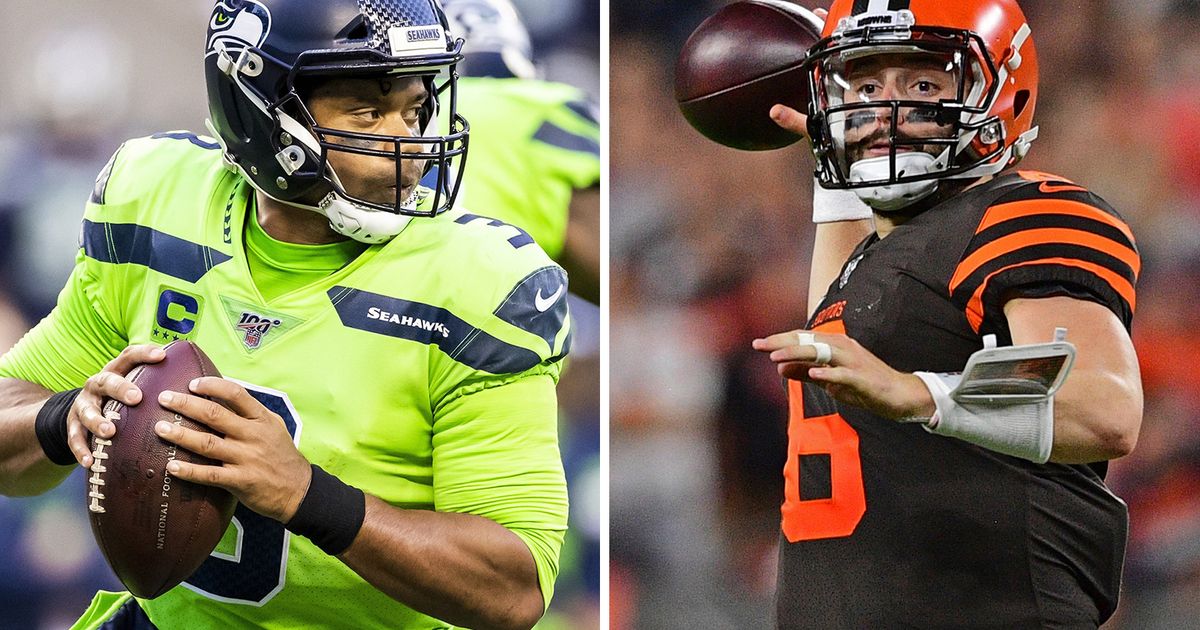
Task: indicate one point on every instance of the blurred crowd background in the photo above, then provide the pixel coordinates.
(709, 249)
(79, 78)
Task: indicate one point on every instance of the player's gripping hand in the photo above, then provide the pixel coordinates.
(849, 372)
(86, 415)
(261, 465)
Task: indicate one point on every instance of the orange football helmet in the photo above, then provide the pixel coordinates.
(982, 45)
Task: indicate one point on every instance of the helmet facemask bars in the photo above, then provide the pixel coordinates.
(444, 155)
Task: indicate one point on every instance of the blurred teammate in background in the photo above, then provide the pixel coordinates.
(905, 505)
(392, 433)
(535, 145)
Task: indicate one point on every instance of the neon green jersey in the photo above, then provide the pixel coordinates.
(532, 144)
(423, 372)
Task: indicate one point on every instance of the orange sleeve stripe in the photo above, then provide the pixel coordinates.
(1043, 236)
(1116, 281)
(1017, 209)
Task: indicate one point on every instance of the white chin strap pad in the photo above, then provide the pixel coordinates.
(364, 225)
(895, 196)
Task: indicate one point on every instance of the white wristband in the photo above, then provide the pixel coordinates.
(830, 206)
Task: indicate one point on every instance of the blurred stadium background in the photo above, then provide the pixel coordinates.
(80, 77)
(709, 248)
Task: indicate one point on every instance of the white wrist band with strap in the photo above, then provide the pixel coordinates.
(1004, 398)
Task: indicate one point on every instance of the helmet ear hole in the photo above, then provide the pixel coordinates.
(1020, 100)
(235, 117)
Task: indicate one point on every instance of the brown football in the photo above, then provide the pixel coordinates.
(741, 61)
(154, 530)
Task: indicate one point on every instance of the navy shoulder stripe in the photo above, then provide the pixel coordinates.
(538, 304)
(128, 243)
(566, 349)
(586, 110)
(556, 136)
(190, 137)
(101, 187)
(431, 325)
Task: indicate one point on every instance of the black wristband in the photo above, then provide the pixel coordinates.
(331, 513)
(51, 427)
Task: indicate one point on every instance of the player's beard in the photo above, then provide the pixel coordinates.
(381, 187)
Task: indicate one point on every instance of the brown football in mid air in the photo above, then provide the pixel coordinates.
(739, 63)
(154, 530)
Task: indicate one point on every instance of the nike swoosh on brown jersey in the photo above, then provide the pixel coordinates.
(1050, 189)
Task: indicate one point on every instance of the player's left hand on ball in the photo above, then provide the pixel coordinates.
(848, 371)
(262, 466)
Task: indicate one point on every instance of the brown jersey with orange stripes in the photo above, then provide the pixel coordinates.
(886, 525)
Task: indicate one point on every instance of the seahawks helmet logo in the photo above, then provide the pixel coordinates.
(236, 26)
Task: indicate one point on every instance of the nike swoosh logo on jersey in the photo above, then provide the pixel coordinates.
(1049, 188)
(542, 304)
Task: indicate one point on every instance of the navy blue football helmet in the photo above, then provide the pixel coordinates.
(257, 52)
(497, 42)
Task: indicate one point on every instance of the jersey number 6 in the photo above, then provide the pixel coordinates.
(838, 515)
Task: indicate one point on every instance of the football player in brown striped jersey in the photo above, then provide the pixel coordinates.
(921, 108)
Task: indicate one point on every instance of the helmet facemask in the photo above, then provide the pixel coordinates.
(442, 155)
(894, 151)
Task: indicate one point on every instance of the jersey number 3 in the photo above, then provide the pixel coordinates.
(255, 571)
(837, 515)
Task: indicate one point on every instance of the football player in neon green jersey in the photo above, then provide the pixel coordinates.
(389, 413)
(535, 144)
